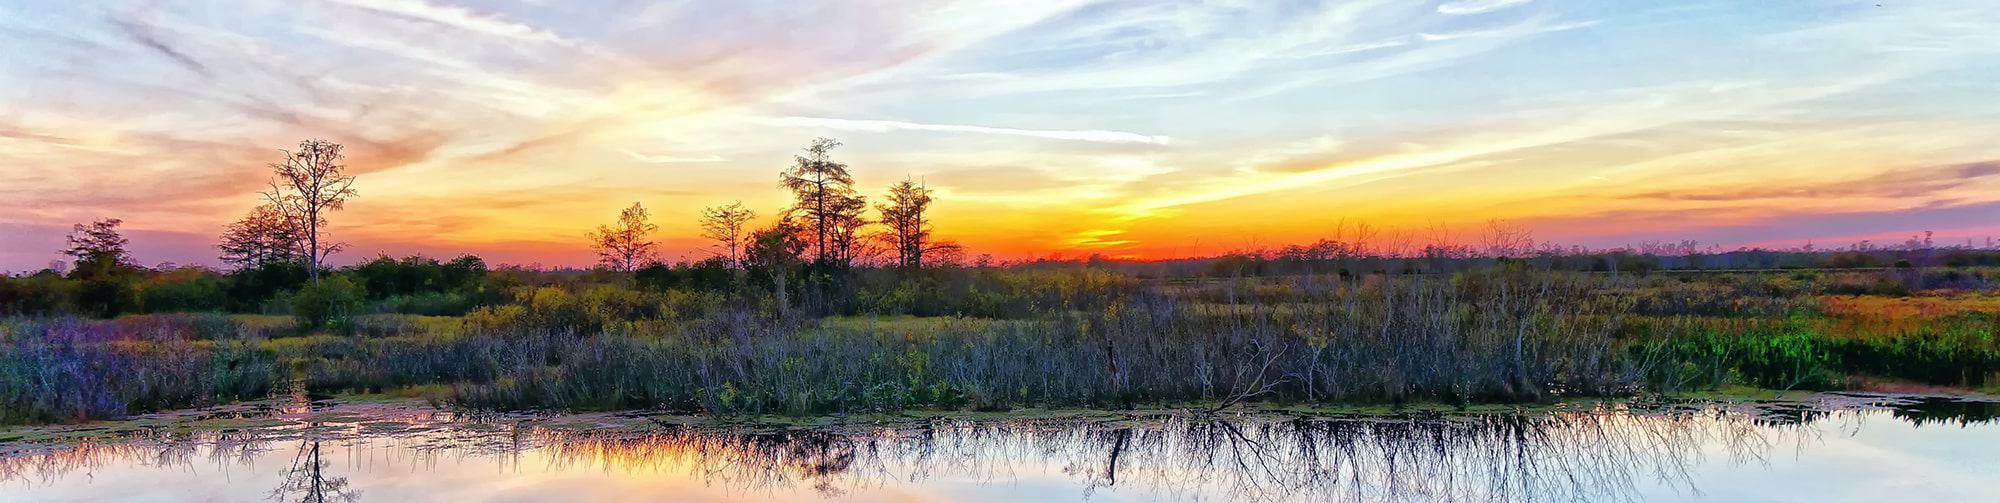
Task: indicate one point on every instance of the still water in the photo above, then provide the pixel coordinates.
(1830, 448)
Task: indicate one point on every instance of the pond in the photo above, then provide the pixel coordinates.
(1830, 447)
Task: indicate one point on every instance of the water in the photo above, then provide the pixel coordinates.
(1832, 448)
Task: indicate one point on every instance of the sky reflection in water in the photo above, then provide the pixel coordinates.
(1843, 449)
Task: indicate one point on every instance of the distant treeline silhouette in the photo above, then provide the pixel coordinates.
(823, 254)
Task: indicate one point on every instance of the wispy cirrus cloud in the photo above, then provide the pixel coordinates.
(1513, 31)
(1045, 124)
(464, 18)
(1463, 7)
(670, 159)
(883, 126)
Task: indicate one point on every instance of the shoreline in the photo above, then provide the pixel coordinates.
(376, 415)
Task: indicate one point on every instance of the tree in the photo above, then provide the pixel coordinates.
(98, 249)
(909, 232)
(827, 204)
(263, 237)
(311, 183)
(776, 249)
(724, 224)
(623, 247)
(103, 268)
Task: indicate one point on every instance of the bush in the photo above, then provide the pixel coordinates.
(183, 290)
(330, 303)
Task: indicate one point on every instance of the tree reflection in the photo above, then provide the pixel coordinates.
(1574, 456)
(307, 478)
(1607, 453)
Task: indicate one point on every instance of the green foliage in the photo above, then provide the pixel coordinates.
(41, 293)
(259, 288)
(107, 296)
(712, 274)
(1950, 352)
(330, 303)
(386, 277)
(189, 289)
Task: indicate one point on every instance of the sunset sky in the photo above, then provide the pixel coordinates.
(511, 128)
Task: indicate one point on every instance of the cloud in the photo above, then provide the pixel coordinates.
(1515, 31)
(1463, 7)
(669, 159)
(144, 35)
(165, 113)
(883, 126)
(1900, 183)
(455, 16)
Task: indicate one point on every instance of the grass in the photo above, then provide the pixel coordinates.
(72, 370)
(1497, 338)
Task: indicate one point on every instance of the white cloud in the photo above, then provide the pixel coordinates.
(881, 126)
(1463, 7)
(1510, 32)
(456, 17)
(669, 159)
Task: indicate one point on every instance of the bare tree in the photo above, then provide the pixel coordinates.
(623, 246)
(724, 224)
(265, 236)
(826, 203)
(909, 232)
(1506, 239)
(311, 183)
(308, 480)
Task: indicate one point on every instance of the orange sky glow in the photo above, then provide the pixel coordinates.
(510, 129)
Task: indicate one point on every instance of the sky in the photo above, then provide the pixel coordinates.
(1140, 128)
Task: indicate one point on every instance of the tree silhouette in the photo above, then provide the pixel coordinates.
(307, 478)
(909, 232)
(105, 276)
(777, 249)
(311, 183)
(98, 249)
(623, 246)
(724, 224)
(826, 202)
(265, 236)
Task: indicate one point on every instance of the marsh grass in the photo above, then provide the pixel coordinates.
(1496, 335)
(66, 370)
(1455, 340)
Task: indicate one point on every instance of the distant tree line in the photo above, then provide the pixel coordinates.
(824, 254)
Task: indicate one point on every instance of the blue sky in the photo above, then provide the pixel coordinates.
(1146, 128)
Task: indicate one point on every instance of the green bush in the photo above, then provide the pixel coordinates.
(185, 290)
(330, 303)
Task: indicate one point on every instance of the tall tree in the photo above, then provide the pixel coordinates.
(624, 246)
(845, 227)
(98, 249)
(776, 249)
(310, 184)
(909, 231)
(265, 236)
(826, 202)
(724, 224)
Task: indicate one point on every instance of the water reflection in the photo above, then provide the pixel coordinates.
(1607, 453)
(308, 480)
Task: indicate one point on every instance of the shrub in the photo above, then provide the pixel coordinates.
(183, 290)
(330, 303)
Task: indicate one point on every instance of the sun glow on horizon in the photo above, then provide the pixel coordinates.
(1056, 127)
